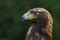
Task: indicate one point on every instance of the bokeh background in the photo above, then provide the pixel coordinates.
(11, 25)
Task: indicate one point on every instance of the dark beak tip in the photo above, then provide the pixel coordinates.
(22, 18)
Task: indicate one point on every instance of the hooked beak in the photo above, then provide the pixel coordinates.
(24, 17)
(28, 16)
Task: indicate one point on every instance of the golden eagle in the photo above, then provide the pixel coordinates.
(41, 28)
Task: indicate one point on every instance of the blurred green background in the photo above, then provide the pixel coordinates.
(11, 25)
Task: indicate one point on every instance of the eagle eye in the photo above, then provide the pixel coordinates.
(34, 12)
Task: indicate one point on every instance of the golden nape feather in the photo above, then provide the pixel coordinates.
(41, 28)
(48, 28)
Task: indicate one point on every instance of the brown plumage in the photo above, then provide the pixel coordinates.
(41, 28)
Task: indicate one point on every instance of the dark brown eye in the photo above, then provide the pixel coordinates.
(31, 12)
(34, 12)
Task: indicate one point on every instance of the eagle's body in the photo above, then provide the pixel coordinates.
(41, 28)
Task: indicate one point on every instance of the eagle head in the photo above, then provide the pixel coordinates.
(36, 15)
(42, 22)
(40, 17)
